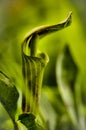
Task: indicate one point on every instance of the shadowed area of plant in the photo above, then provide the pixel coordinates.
(29, 120)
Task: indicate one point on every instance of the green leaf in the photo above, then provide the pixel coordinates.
(29, 120)
(69, 68)
(66, 76)
(8, 95)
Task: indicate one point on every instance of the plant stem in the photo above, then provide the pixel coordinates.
(15, 125)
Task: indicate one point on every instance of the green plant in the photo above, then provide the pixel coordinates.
(33, 65)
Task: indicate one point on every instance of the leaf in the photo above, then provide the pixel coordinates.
(69, 68)
(66, 75)
(8, 95)
(29, 120)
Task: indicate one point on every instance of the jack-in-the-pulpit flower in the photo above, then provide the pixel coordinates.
(33, 64)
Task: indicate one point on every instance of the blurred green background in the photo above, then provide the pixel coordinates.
(17, 18)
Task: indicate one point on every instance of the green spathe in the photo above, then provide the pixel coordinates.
(33, 64)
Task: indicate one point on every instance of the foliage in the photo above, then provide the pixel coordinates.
(32, 66)
(8, 97)
(62, 102)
